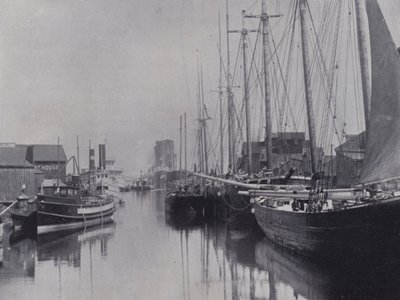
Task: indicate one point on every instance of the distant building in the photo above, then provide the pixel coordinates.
(50, 159)
(287, 151)
(349, 159)
(164, 154)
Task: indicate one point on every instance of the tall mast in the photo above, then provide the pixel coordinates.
(77, 154)
(180, 148)
(203, 121)
(231, 109)
(246, 97)
(184, 116)
(200, 127)
(307, 83)
(220, 94)
(363, 54)
(90, 159)
(58, 161)
(267, 94)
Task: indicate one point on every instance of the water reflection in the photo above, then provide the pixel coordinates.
(67, 248)
(376, 276)
(242, 264)
(147, 254)
(18, 257)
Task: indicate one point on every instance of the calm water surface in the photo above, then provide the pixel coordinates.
(148, 255)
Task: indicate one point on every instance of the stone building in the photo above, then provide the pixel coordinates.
(164, 155)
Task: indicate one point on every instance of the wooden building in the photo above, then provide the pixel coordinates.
(50, 159)
(15, 171)
(287, 150)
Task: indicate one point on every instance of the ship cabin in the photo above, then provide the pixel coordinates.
(63, 192)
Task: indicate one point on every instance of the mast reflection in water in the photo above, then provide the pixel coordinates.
(147, 254)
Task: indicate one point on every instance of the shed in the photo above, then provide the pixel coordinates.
(15, 171)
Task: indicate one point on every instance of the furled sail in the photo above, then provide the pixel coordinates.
(382, 159)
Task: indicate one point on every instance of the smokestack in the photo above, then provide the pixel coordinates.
(92, 162)
(102, 156)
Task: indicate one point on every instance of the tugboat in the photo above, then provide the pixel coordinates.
(65, 207)
(141, 185)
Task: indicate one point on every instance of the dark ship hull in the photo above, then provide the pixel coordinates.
(225, 203)
(25, 220)
(185, 204)
(57, 216)
(345, 232)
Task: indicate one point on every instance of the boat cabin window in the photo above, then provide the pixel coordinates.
(99, 187)
(62, 191)
(72, 192)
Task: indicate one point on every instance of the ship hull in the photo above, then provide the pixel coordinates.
(184, 204)
(348, 232)
(52, 217)
(225, 203)
(24, 220)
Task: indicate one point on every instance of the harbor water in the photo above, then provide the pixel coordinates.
(146, 254)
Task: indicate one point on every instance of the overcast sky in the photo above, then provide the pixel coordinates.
(121, 70)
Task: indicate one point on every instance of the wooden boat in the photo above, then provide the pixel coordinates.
(185, 201)
(67, 207)
(310, 222)
(24, 214)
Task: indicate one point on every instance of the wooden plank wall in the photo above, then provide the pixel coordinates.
(11, 181)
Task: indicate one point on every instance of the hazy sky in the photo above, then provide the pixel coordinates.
(123, 70)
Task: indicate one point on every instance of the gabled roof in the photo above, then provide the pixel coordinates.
(48, 153)
(14, 157)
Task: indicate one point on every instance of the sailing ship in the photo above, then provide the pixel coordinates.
(224, 200)
(349, 221)
(186, 199)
